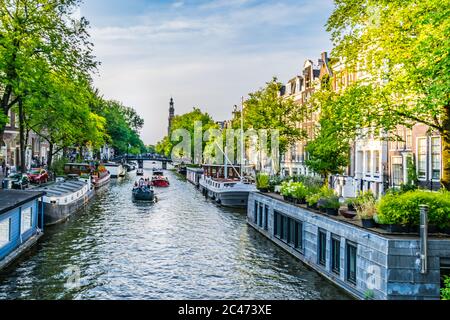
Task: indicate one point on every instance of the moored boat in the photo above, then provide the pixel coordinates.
(100, 175)
(222, 184)
(65, 197)
(115, 169)
(140, 172)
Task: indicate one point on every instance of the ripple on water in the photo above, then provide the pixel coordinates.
(182, 247)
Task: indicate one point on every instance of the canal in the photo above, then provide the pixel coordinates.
(183, 247)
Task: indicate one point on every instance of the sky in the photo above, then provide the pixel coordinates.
(205, 54)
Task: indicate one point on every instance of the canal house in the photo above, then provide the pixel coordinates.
(367, 263)
(21, 223)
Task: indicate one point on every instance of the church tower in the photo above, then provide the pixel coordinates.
(171, 114)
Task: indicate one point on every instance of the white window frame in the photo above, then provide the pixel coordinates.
(376, 162)
(25, 228)
(430, 169)
(9, 123)
(4, 242)
(417, 159)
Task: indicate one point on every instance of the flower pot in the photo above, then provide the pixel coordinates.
(263, 190)
(368, 223)
(351, 207)
(312, 207)
(285, 198)
(332, 212)
(348, 214)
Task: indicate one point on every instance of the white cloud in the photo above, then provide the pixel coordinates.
(203, 60)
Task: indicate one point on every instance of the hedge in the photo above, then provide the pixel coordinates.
(404, 209)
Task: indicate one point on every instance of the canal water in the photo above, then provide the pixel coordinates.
(182, 247)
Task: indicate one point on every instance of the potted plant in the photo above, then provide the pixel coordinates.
(312, 200)
(299, 192)
(351, 204)
(286, 191)
(331, 205)
(367, 211)
(262, 182)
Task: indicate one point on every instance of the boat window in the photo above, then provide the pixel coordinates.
(351, 262)
(322, 252)
(5, 232)
(26, 219)
(336, 254)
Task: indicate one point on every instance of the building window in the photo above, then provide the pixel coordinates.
(351, 262)
(376, 162)
(359, 161)
(368, 162)
(422, 158)
(436, 158)
(278, 225)
(322, 248)
(266, 218)
(336, 254)
(5, 232)
(26, 220)
(408, 139)
(284, 228)
(397, 171)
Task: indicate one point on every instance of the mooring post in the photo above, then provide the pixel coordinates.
(424, 239)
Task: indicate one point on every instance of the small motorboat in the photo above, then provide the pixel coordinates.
(143, 191)
(140, 172)
(160, 182)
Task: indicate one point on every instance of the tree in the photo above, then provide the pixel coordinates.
(404, 47)
(329, 150)
(267, 110)
(38, 36)
(122, 124)
(186, 122)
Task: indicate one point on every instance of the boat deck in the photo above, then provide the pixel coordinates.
(61, 189)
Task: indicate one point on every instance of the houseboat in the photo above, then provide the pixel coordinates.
(100, 176)
(21, 223)
(226, 186)
(66, 197)
(115, 169)
(193, 175)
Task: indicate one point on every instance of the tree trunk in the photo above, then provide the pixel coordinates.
(50, 156)
(23, 165)
(446, 149)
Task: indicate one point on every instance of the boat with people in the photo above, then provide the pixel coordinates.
(143, 191)
(159, 180)
(100, 175)
(140, 172)
(65, 197)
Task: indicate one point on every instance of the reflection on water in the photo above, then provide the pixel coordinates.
(182, 247)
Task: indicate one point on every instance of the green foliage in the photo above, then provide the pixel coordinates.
(445, 292)
(58, 166)
(262, 181)
(405, 44)
(309, 181)
(330, 202)
(329, 150)
(316, 195)
(186, 122)
(404, 209)
(266, 110)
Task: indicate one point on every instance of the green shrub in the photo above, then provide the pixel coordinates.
(58, 166)
(316, 195)
(262, 181)
(404, 209)
(299, 191)
(445, 292)
(330, 202)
